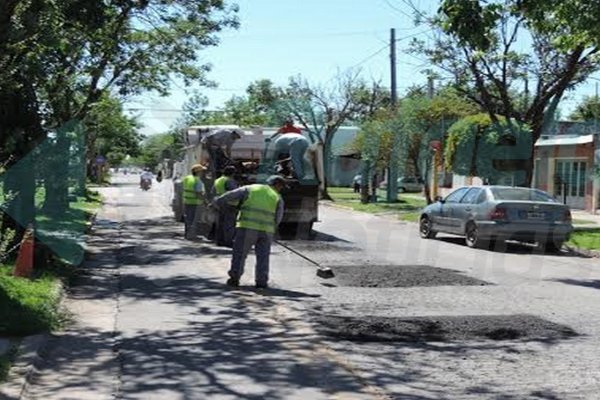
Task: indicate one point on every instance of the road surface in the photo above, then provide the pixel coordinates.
(152, 318)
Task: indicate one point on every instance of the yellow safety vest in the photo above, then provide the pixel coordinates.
(220, 185)
(259, 209)
(221, 189)
(190, 197)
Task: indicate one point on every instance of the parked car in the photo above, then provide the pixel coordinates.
(406, 184)
(488, 213)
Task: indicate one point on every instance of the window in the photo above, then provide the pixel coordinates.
(570, 178)
(521, 194)
(455, 196)
(482, 197)
(471, 196)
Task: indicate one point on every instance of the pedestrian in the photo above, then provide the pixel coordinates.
(356, 183)
(260, 211)
(225, 226)
(193, 199)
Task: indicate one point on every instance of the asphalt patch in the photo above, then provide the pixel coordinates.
(386, 276)
(318, 246)
(521, 327)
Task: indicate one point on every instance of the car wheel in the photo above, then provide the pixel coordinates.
(425, 230)
(553, 246)
(472, 236)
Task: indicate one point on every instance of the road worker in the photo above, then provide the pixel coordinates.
(218, 145)
(289, 127)
(290, 145)
(260, 211)
(225, 224)
(193, 200)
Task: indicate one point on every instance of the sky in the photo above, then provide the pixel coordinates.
(278, 39)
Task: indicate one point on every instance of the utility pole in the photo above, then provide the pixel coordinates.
(392, 173)
(437, 156)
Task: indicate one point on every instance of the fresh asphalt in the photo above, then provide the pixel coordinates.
(152, 317)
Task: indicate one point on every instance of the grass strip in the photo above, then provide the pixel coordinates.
(407, 208)
(588, 239)
(28, 306)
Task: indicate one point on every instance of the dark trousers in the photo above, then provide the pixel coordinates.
(242, 244)
(190, 214)
(225, 229)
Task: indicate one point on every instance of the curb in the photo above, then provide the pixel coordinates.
(23, 367)
(584, 252)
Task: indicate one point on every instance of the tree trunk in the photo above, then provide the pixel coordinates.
(327, 158)
(364, 182)
(56, 183)
(426, 189)
(20, 133)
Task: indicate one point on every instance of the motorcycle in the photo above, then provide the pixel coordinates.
(146, 184)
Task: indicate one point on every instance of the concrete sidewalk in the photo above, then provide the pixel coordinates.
(585, 220)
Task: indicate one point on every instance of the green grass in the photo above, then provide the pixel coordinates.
(28, 306)
(587, 239)
(407, 208)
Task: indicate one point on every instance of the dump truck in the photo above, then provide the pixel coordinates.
(247, 154)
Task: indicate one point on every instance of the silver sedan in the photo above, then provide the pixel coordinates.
(484, 214)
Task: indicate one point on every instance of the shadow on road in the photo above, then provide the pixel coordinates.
(593, 284)
(512, 247)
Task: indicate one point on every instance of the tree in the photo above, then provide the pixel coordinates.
(110, 132)
(588, 110)
(321, 110)
(155, 147)
(418, 122)
(128, 47)
(476, 146)
(58, 58)
(412, 126)
(257, 107)
(479, 45)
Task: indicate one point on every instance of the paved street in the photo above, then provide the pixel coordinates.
(152, 318)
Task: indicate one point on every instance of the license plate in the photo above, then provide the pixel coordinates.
(536, 215)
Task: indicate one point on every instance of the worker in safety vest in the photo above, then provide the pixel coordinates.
(225, 226)
(193, 199)
(260, 211)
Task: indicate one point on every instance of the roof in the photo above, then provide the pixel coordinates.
(564, 140)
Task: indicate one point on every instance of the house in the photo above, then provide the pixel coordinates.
(565, 166)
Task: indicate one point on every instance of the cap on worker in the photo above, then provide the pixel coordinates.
(273, 179)
(198, 166)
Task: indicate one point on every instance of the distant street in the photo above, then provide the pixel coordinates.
(152, 318)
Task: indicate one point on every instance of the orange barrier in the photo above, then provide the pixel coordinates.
(24, 265)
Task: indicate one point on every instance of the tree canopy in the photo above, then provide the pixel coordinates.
(480, 49)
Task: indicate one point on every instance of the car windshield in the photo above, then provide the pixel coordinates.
(522, 194)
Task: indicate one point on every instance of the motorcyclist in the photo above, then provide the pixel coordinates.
(146, 177)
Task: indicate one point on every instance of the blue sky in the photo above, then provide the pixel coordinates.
(314, 38)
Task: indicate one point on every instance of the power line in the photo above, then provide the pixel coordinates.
(398, 10)
(387, 46)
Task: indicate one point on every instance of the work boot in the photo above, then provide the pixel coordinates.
(233, 282)
(262, 286)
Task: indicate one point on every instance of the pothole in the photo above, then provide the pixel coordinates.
(521, 327)
(382, 276)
